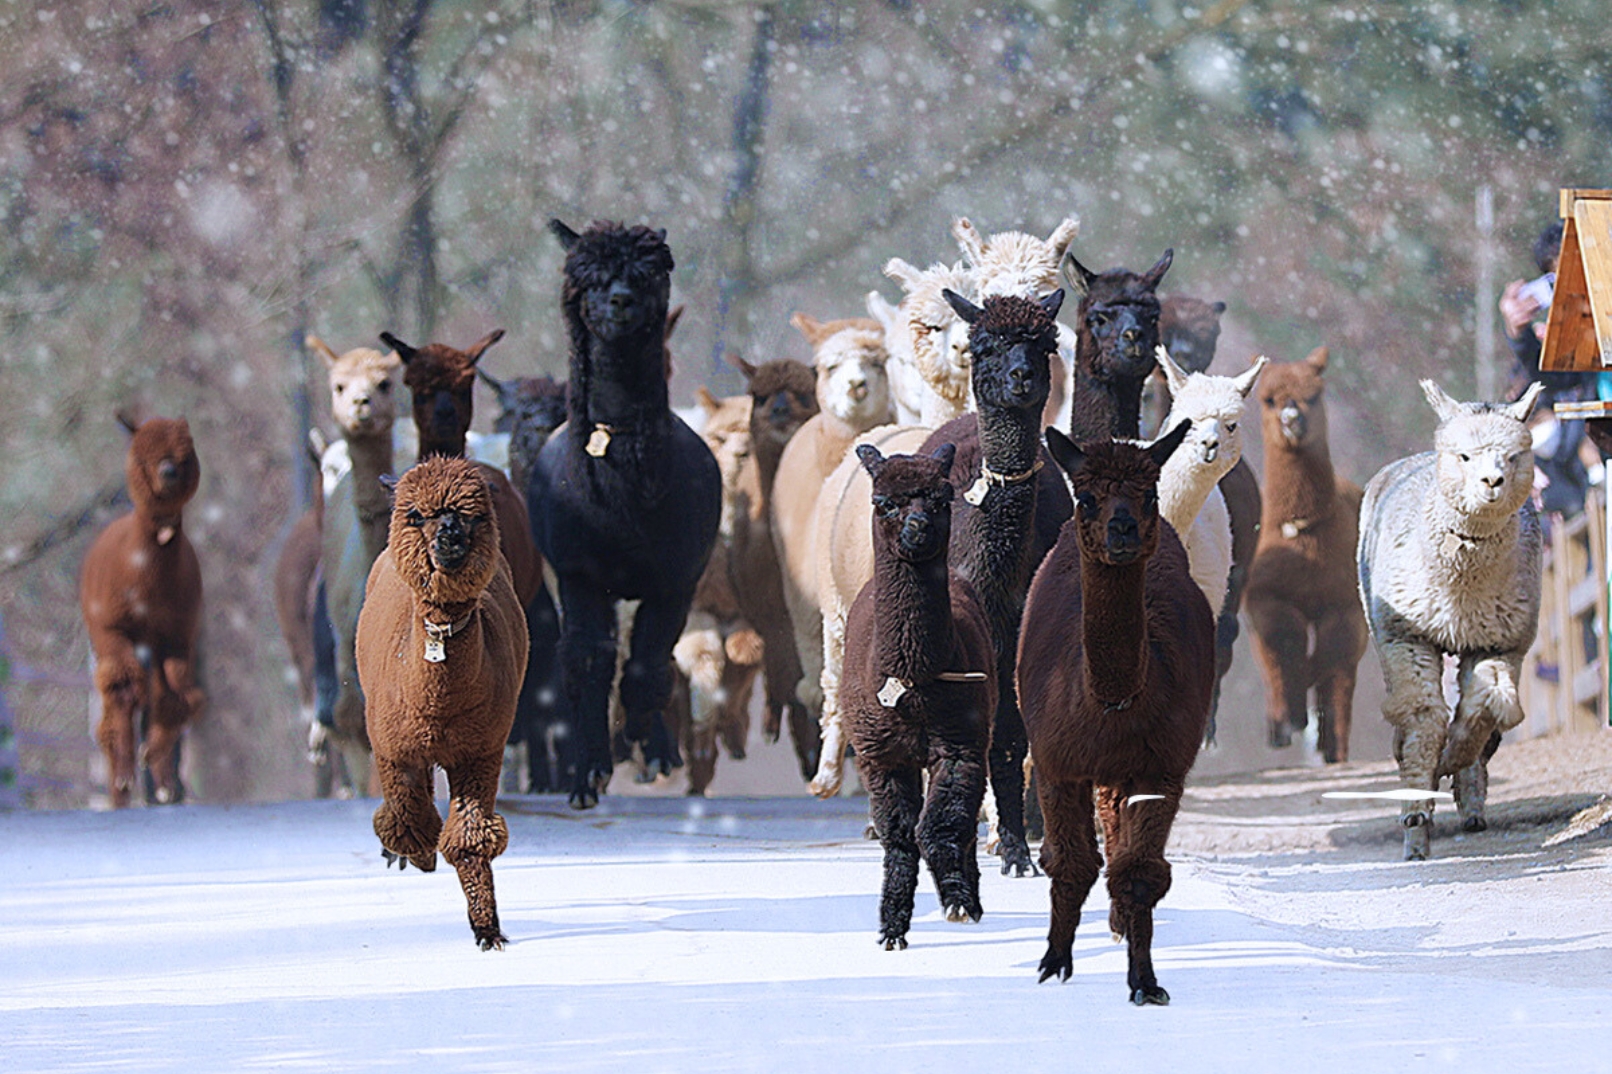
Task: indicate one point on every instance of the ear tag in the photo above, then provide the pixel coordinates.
(165, 534)
(599, 442)
(976, 492)
(435, 651)
(894, 690)
(1290, 530)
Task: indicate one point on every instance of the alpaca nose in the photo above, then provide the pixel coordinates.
(168, 471)
(444, 415)
(780, 409)
(1124, 535)
(1211, 449)
(620, 298)
(451, 542)
(858, 389)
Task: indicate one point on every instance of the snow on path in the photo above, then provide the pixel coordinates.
(729, 935)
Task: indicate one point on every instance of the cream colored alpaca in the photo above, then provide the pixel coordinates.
(1188, 497)
(928, 343)
(853, 390)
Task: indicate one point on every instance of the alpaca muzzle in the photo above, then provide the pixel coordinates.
(1124, 541)
(450, 545)
(1294, 424)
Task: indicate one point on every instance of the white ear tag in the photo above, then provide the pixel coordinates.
(976, 492)
(599, 442)
(435, 652)
(894, 690)
(1290, 530)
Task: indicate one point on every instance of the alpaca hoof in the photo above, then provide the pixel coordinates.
(870, 833)
(959, 914)
(1281, 736)
(1016, 860)
(391, 859)
(1418, 842)
(826, 786)
(737, 753)
(1059, 964)
(1474, 823)
(1150, 997)
(490, 938)
(584, 798)
(894, 943)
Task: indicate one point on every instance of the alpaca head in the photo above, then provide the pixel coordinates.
(1485, 452)
(783, 395)
(937, 336)
(160, 467)
(1118, 319)
(530, 409)
(440, 379)
(850, 357)
(912, 501)
(1189, 328)
(363, 392)
(444, 536)
(1116, 489)
(1012, 340)
(618, 281)
(1214, 406)
(726, 433)
(1012, 262)
(1292, 413)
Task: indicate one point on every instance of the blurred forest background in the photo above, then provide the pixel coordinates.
(189, 186)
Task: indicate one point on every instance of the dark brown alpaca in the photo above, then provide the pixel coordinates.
(441, 653)
(1116, 665)
(1117, 327)
(1303, 597)
(783, 396)
(919, 691)
(140, 590)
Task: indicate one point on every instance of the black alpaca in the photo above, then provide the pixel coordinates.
(1117, 327)
(918, 692)
(625, 499)
(1013, 503)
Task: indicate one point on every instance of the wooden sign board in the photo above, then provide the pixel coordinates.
(1578, 330)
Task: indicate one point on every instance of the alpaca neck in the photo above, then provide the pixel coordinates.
(1466, 540)
(1104, 408)
(912, 616)
(767, 453)
(834, 437)
(1010, 438)
(1113, 629)
(448, 446)
(634, 394)
(159, 527)
(371, 455)
(1184, 486)
(1299, 484)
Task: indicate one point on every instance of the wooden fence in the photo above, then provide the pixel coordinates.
(1564, 678)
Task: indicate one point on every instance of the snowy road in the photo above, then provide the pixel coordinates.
(739, 935)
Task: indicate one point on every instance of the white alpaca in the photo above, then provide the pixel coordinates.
(1188, 497)
(928, 343)
(1449, 561)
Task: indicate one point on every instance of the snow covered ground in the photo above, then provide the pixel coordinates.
(667, 934)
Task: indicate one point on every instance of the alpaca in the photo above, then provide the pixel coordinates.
(531, 408)
(1449, 563)
(853, 392)
(1116, 666)
(783, 396)
(1301, 584)
(927, 342)
(441, 653)
(363, 402)
(1118, 320)
(919, 692)
(140, 591)
(1189, 328)
(625, 500)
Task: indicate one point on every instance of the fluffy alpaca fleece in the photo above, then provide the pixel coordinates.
(1116, 667)
(1189, 498)
(928, 342)
(918, 692)
(140, 591)
(442, 649)
(1449, 563)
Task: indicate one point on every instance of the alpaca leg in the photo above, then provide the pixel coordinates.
(1069, 857)
(1471, 786)
(1340, 639)
(698, 710)
(831, 761)
(587, 670)
(1138, 877)
(474, 835)
(1009, 744)
(739, 676)
(407, 822)
(646, 681)
(948, 830)
(176, 701)
(1415, 709)
(894, 800)
(1226, 630)
(1111, 815)
(123, 687)
(1281, 644)
(1488, 704)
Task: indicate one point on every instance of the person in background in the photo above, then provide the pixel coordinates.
(1523, 306)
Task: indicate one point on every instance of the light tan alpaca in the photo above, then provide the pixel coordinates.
(928, 342)
(853, 391)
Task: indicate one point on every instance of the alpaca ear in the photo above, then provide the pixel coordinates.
(1064, 234)
(903, 273)
(944, 455)
(322, 349)
(505, 393)
(1245, 383)
(479, 348)
(808, 326)
(1065, 452)
(128, 419)
(1524, 407)
(1077, 276)
(1153, 275)
(1445, 407)
(708, 402)
(1318, 359)
(736, 360)
(872, 461)
(404, 351)
(567, 237)
(880, 310)
(389, 483)
(673, 315)
(969, 239)
(961, 306)
(1218, 307)
(1174, 375)
(1053, 303)
(1162, 448)
(660, 235)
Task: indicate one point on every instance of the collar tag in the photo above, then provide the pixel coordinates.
(1290, 530)
(894, 690)
(435, 651)
(598, 441)
(976, 492)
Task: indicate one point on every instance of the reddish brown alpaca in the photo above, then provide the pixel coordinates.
(141, 593)
(1302, 583)
(1116, 667)
(441, 653)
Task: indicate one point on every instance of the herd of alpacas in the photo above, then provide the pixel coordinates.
(947, 544)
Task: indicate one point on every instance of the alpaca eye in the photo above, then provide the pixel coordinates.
(414, 518)
(1466, 458)
(1231, 426)
(1087, 503)
(384, 387)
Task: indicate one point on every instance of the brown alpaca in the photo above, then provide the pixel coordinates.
(919, 691)
(140, 589)
(1303, 598)
(296, 573)
(441, 653)
(1116, 667)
